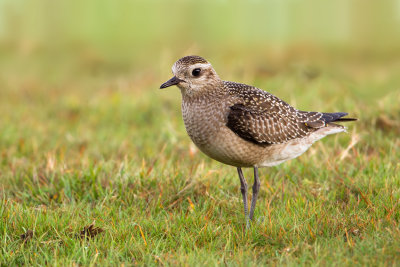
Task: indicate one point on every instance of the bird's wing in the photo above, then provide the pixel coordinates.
(262, 118)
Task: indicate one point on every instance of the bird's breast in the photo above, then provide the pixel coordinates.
(203, 120)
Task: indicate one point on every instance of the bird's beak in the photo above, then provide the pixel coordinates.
(170, 82)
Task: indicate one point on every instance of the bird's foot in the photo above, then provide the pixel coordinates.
(247, 223)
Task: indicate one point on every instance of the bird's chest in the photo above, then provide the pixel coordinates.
(203, 119)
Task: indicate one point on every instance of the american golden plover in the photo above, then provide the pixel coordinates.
(243, 126)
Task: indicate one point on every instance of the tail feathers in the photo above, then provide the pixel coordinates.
(336, 117)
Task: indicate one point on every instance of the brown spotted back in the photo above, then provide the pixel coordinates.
(262, 118)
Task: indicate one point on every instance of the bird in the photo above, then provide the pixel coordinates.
(244, 126)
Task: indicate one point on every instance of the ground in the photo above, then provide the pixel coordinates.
(96, 169)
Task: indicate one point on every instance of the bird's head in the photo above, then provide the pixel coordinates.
(192, 74)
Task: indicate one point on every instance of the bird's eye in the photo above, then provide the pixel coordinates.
(196, 72)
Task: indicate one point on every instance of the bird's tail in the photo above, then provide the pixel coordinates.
(336, 117)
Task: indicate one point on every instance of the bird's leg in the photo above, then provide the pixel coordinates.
(243, 189)
(256, 189)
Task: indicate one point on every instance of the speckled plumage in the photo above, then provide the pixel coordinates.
(242, 125)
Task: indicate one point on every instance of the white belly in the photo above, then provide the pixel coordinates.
(295, 148)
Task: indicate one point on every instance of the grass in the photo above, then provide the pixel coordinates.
(112, 151)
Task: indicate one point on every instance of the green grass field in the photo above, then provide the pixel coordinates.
(87, 138)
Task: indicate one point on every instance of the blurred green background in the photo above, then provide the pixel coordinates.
(54, 52)
(86, 73)
(71, 67)
(122, 36)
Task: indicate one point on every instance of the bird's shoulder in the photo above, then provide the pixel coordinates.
(257, 100)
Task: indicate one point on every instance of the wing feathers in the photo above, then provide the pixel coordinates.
(262, 118)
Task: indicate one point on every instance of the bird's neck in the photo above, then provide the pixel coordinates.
(209, 91)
